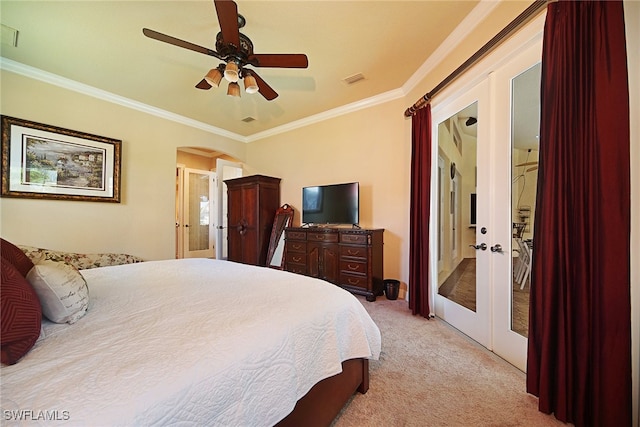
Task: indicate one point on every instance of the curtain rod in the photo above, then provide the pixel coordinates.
(513, 26)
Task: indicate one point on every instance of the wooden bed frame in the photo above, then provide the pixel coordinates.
(323, 402)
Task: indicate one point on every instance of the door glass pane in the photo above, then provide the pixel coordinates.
(524, 150)
(199, 215)
(457, 164)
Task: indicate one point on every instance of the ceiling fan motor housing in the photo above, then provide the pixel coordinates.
(241, 52)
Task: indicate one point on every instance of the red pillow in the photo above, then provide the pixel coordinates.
(20, 314)
(15, 256)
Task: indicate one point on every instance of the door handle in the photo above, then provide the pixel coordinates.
(496, 248)
(481, 246)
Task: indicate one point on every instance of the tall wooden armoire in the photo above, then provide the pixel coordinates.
(252, 204)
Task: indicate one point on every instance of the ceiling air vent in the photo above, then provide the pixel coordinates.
(248, 119)
(9, 36)
(353, 79)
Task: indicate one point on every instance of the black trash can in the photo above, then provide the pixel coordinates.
(391, 288)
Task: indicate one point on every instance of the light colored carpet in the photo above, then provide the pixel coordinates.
(430, 374)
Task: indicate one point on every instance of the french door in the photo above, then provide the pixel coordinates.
(462, 295)
(198, 214)
(517, 147)
(484, 186)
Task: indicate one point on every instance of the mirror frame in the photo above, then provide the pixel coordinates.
(282, 220)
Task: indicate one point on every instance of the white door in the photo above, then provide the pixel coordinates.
(479, 294)
(198, 215)
(461, 138)
(517, 88)
(224, 170)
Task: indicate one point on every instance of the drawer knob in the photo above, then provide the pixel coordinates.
(353, 267)
(297, 259)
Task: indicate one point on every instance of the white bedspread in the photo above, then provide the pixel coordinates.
(189, 342)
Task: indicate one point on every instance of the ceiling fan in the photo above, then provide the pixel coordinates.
(236, 50)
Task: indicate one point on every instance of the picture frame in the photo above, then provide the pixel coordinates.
(41, 161)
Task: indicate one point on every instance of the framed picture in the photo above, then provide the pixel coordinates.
(46, 162)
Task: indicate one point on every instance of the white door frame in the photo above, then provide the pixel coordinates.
(179, 210)
(225, 169)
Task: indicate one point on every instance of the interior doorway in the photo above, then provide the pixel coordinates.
(200, 208)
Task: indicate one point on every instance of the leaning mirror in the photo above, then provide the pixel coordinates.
(282, 220)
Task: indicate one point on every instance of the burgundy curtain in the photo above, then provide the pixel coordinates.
(579, 355)
(419, 212)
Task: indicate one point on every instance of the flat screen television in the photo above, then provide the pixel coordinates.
(331, 204)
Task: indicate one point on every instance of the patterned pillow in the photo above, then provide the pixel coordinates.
(21, 315)
(79, 260)
(16, 257)
(62, 290)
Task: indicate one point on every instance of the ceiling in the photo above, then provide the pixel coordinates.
(100, 44)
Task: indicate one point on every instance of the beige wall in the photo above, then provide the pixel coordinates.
(195, 161)
(367, 146)
(143, 223)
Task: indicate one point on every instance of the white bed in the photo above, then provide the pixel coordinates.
(189, 342)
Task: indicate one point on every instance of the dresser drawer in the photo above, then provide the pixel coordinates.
(353, 281)
(323, 237)
(356, 239)
(295, 235)
(295, 246)
(296, 258)
(353, 267)
(353, 251)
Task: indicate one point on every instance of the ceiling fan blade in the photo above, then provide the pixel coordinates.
(527, 164)
(180, 43)
(532, 169)
(227, 11)
(264, 89)
(279, 60)
(203, 85)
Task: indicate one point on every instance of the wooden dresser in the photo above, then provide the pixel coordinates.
(252, 204)
(348, 257)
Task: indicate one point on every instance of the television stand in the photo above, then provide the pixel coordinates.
(351, 258)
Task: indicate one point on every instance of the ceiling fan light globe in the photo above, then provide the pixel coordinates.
(250, 84)
(213, 77)
(231, 72)
(233, 89)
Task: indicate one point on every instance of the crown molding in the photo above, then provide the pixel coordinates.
(329, 114)
(56, 80)
(44, 76)
(477, 15)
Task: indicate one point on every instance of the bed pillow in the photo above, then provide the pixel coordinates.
(16, 257)
(21, 315)
(62, 290)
